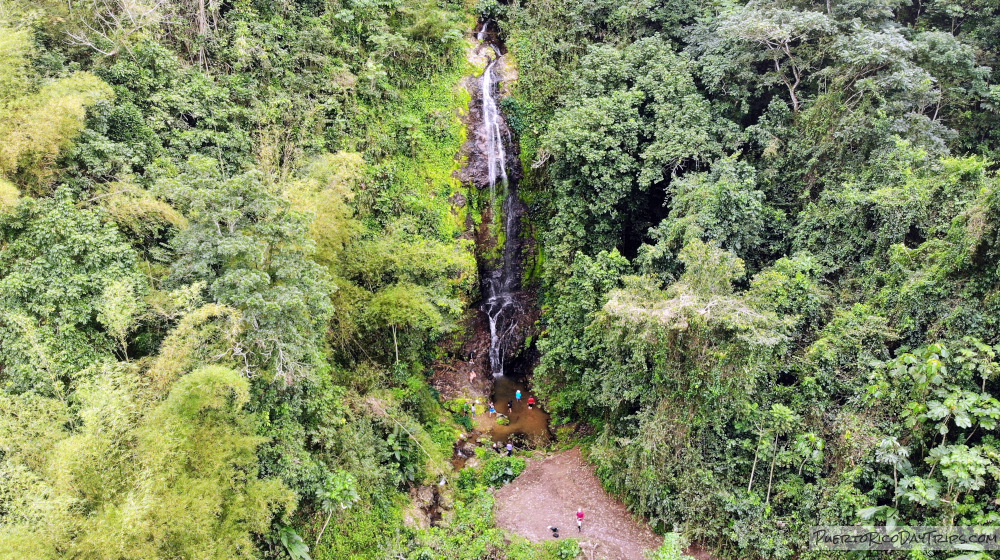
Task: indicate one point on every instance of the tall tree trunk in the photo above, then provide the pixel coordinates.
(395, 345)
(202, 32)
(770, 478)
(756, 456)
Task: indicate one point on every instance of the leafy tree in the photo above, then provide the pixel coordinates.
(564, 351)
(252, 253)
(602, 152)
(723, 206)
(400, 281)
(936, 394)
(38, 120)
(792, 288)
(404, 306)
(325, 191)
(71, 290)
(785, 41)
(134, 478)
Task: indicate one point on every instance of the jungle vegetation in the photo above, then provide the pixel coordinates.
(770, 281)
(768, 247)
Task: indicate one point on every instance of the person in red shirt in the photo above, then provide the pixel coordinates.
(579, 519)
(531, 402)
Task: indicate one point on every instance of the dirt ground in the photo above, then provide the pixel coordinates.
(469, 355)
(547, 494)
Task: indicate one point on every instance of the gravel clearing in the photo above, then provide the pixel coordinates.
(547, 494)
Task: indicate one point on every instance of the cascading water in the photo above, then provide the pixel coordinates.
(501, 282)
(500, 286)
(496, 157)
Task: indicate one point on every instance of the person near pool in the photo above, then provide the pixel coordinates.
(493, 410)
(510, 406)
(579, 519)
(510, 449)
(531, 402)
(517, 395)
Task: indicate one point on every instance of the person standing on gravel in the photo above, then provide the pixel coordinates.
(579, 519)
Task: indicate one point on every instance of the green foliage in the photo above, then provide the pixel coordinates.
(116, 142)
(498, 471)
(723, 206)
(567, 549)
(763, 237)
(633, 119)
(564, 352)
(339, 491)
(754, 36)
(9, 196)
(293, 543)
(252, 253)
(937, 392)
(849, 222)
(258, 167)
(38, 120)
(791, 288)
(71, 290)
(672, 549)
(135, 477)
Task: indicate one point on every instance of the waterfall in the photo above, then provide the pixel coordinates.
(501, 304)
(501, 284)
(496, 158)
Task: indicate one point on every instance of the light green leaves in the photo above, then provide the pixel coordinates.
(136, 477)
(709, 270)
(37, 124)
(118, 309)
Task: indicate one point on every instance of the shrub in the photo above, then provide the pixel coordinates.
(501, 470)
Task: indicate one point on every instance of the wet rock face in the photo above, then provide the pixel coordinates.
(490, 136)
(492, 160)
(426, 507)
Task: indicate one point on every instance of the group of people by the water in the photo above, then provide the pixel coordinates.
(501, 448)
(510, 403)
(470, 406)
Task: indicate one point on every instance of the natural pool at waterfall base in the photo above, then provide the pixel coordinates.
(527, 426)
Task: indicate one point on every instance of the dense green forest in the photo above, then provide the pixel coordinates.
(763, 239)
